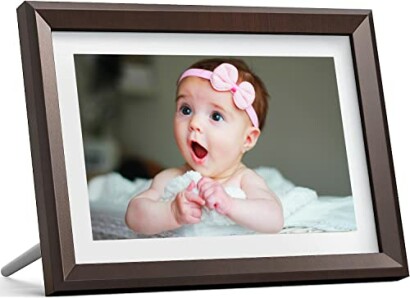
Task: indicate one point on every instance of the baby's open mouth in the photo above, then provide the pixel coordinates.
(199, 151)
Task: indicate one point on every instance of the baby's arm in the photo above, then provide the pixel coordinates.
(261, 211)
(147, 214)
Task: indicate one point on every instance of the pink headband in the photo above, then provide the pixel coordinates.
(224, 78)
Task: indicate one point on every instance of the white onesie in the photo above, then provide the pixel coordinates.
(212, 223)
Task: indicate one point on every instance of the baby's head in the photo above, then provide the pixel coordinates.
(221, 109)
(260, 103)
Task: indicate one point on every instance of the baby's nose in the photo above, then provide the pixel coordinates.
(195, 124)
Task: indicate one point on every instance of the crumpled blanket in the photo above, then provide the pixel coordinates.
(303, 210)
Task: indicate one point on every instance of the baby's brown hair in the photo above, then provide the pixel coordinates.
(245, 74)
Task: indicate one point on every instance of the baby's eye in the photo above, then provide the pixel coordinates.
(185, 110)
(216, 116)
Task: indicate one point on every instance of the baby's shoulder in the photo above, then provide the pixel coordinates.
(250, 177)
(161, 179)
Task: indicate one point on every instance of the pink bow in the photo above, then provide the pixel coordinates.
(224, 78)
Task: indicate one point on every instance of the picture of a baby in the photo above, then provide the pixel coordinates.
(221, 107)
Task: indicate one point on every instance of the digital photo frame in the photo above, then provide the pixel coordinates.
(66, 271)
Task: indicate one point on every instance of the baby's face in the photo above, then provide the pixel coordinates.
(211, 132)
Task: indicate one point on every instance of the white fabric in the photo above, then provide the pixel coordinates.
(303, 209)
(330, 214)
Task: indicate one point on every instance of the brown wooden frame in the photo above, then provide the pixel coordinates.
(37, 20)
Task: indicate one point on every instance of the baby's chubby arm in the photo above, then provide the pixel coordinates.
(147, 214)
(261, 211)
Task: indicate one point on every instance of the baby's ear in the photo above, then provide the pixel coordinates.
(252, 136)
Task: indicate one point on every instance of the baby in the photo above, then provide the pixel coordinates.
(221, 108)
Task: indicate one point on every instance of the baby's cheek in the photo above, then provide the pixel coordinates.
(230, 148)
(224, 143)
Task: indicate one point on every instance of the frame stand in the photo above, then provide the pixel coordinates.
(33, 254)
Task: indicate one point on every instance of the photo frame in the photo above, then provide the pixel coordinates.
(62, 272)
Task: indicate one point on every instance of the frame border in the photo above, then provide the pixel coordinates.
(37, 21)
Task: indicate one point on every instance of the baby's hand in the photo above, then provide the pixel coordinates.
(187, 206)
(215, 195)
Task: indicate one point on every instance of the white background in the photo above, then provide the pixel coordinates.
(18, 220)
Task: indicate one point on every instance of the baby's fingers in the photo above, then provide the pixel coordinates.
(205, 188)
(194, 198)
(211, 202)
(193, 220)
(220, 209)
(208, 193)
(204, 182)
(191, 186)
(196, 213)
